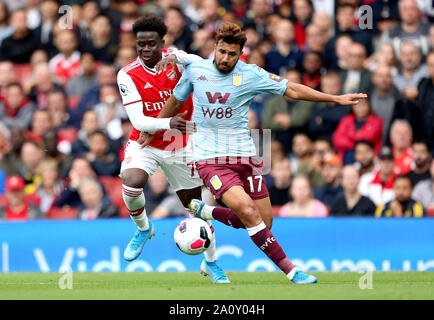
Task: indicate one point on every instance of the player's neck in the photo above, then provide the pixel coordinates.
(149, 65)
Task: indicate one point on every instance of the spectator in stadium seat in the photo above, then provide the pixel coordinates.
(279, 189)
(49, 10)
(361, 124)
(422, 159)
(127, 40)
(321, 147)
(316, 38)
(325, 117)
(284, 54)
(346, 24)
(162, 202)
(62, 116)
(303, 204)
(103, 162)
(410, 28)
(31, 155)
(50, 186)
(80, 170)
(339, 59)
(384, 96)
(351, 203)
(41, 123)
(16, 110)
(5, 29)
(303, 162)
(89, 124)
(19, 46)
(124, 56)
(284, 116)
(332, 188)
(110, 111)
(364, 155)
(401, 136)
(130, 13)
(56, 147)
(424, 102)
(80, 84)
(424, 192)
(178, 29)
(17, 206)
(355, 78)
(103, 44)
(106, 74)
(302, 17)
(7, 76)
(66, 64)
(411, 72)
(312, 65)
(10, 156)
(379, 186)
(403, 205)
(40, 84)
(90, 10)
(385, 55)
(259, 13)
(95, 204)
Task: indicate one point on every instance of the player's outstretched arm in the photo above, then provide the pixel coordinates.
(297, 91)
(176, 56)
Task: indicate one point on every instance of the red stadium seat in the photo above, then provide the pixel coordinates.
(69, 134)
(113, 187)
(73, 101)
(22, 72)
(62, 213)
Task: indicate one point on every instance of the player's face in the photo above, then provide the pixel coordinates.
(149, 45)
(226, 56)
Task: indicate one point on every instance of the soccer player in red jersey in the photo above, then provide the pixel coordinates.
(144, 88)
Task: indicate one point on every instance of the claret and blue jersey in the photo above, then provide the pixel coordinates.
(221, 103)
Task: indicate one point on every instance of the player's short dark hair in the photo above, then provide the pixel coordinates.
(364, 142)
(231, 33)
(150, 23)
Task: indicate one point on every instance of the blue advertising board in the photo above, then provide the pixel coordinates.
(329, 244)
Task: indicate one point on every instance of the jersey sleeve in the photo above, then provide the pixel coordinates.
(127, 89)
(266, 82)
(183, 57)
(184, 87)
(133, 104)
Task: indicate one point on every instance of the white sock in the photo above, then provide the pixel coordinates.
(134, 199)
(210, 253)
(207, 212)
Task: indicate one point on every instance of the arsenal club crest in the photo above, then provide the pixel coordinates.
(171, 75)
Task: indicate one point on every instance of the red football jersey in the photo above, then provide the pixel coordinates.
(140, 83)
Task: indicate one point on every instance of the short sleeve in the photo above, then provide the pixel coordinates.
(184, 87)
(127, 89)
(266, 82)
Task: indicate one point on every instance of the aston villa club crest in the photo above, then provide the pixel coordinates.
(171, 75)
(237, 79)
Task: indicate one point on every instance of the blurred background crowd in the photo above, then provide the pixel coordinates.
(63, 128)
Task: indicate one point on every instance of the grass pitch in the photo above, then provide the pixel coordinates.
(193, 286)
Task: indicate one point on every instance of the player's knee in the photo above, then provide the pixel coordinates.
(250, 214)
(133, 179)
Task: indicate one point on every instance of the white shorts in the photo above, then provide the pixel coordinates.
(178, 165)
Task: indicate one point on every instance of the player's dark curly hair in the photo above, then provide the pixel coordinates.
(231, 33)
(150, 23)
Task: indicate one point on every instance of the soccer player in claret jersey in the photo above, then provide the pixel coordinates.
(144, 87)
(224, 151)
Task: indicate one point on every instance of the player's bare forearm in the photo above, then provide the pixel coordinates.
(298, 91)
(171, 106)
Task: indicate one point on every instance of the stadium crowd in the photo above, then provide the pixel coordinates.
(63, 128)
